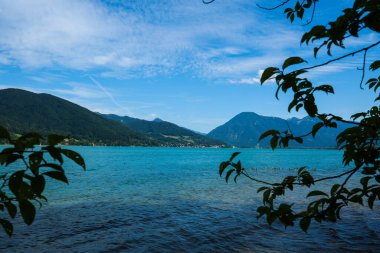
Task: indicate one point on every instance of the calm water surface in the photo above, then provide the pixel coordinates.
(172, 200)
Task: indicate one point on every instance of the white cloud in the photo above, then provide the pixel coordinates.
(251, 80)
(80, 90)
(140, 37)
(248, 80)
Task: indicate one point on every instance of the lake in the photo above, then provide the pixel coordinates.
(134, 199)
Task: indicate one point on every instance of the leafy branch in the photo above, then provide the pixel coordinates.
(22, 189)
(275, 7)
(359, 142)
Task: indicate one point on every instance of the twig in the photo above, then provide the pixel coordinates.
(333, 177)
(295, 183)
(363, 69)
(352, 172)
(312, 15)
(256, 180)
(207, 2)
(339, 58)
(273, 8)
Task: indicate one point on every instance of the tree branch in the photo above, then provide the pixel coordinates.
(352, 172)
(333, 177)
(363, 69)
(339, 58)
(273, 8)
(245, 173)
(312, 15)
(256, 180)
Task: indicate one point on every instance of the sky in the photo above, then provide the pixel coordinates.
(192, 64)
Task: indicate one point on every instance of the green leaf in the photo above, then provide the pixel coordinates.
(38, 184)
(316, 193)
(364, 181)
(357, 199)
(267, 133)
(273, 142)
(11, 208)
(316, 128)
(229, 174)
(54, 139)
(334, 188)
(28, 211)
(35, 160)
(305, 223)
(316, 49)
(292, 61)
(262, 189)
(11, 158)
(222, 167)
(374, 65)
(268, 72)
(325, 88)
(235, 154)
(266, 195)
(262, 210)
(271, 217)
(15, 181)
(371, 200)
(7, 226)
(237, 165)
(60, 176)
(52, 165)
(299, 140)
(4, 134)
(310, 106)
(75, 157)
(29, 140)
(55, 153)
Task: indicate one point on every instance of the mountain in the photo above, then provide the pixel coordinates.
(244, 130)
(166, 133)
(23, 111)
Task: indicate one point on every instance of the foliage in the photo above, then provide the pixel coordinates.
(23, 182)
(359, 142)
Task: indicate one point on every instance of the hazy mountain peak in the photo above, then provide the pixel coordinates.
(244, 130)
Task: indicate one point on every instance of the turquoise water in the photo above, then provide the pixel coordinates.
(172, 200)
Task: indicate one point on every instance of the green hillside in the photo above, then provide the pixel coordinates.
(23, 111)
(168, 134)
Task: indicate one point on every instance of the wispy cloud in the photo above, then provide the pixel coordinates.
(248, 80)
(139, 37)
(110, 96)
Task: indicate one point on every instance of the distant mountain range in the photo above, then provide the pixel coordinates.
(166, 133)
(23, 111)
(244, 130)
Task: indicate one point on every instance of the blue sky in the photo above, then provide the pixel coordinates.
(192, 64)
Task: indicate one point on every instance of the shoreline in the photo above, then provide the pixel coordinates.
(195, 147)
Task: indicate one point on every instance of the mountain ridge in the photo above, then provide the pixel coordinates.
(24, 111)
(244, 130)
(167, 133)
